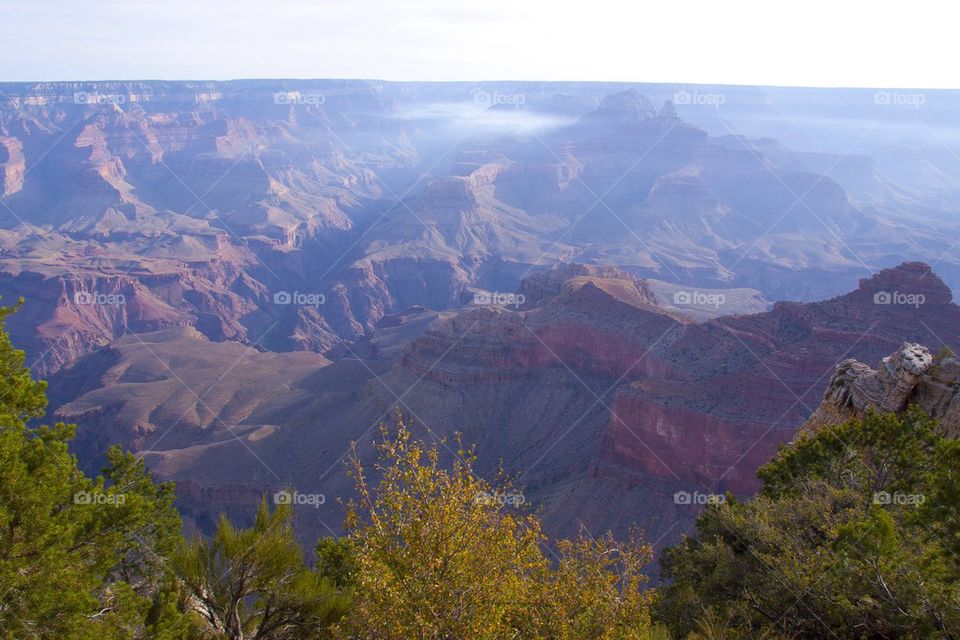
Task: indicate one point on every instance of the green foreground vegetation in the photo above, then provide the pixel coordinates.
(855, 534)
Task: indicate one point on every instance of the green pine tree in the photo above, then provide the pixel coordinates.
(854, 535)
(79, 557)
(252, 583)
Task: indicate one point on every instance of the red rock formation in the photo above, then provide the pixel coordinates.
(747, 383)
(703, 404)
(676, 443)
(598, 323)
(604, 403)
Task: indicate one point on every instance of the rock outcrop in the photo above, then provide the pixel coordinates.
(12, 166)
(911, 376)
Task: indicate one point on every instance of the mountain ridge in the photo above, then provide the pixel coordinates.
(604, 402)
(247, 189)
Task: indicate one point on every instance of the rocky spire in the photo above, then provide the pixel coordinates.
(668, 110)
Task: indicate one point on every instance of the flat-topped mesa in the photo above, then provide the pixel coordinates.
(478, 170)
(909, 376)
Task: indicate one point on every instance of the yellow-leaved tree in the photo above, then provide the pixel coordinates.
(443, 554)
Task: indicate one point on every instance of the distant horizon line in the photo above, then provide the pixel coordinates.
(480, 82)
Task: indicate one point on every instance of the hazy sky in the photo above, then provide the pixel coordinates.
(814, 43)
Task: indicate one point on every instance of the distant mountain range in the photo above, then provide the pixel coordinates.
(199, 202)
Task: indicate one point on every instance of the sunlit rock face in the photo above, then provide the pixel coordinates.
(910, 376)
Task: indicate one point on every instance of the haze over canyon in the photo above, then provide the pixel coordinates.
(621, 293)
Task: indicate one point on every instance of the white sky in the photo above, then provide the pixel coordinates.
(875, 43)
